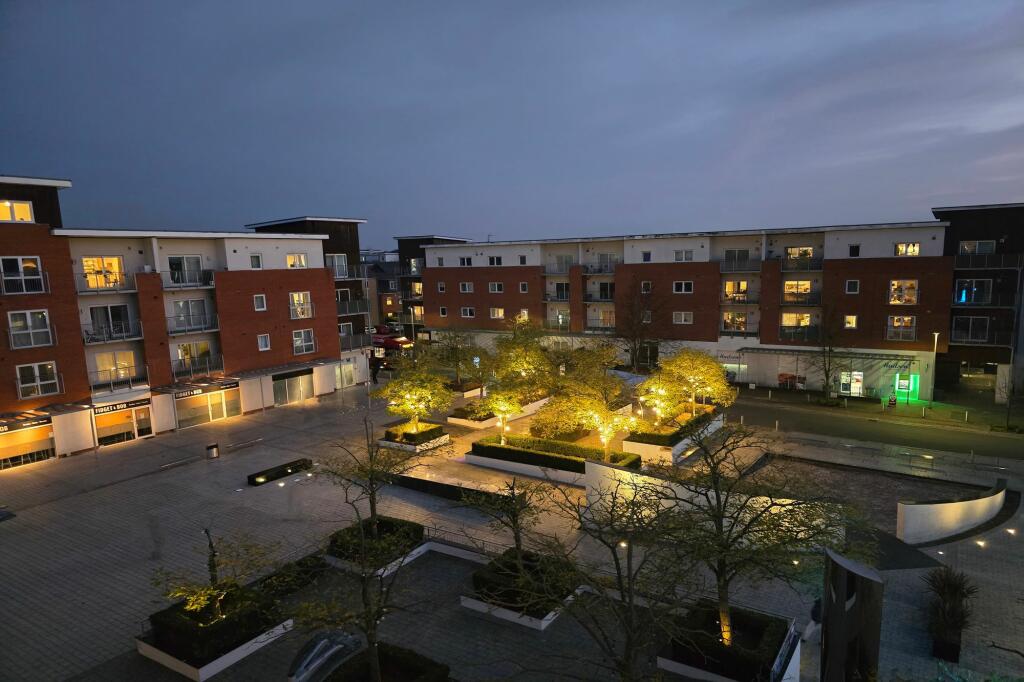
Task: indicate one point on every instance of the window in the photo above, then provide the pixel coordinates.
(645, 287)
(345, 329)
(561, 291)
(494, 260)
(496, 287)
(902, 292)
(186, 269)
(15, 211)
(902, 320)
(263, 342)
(392, 285)
(970, 329)
(796, 319)
(854, 250)
(985, 246)
(295, 261)
(195, 354)
(737, 256)
(522, 260)
(189, 315)
(605, 291)
(853, 286)
(440, 262)
(300, 305)
(29, 328)
(21, 275)
(796, 291)
(901, 328)
(793, 252)
(466, 287)
(524, 287)
(467, 312)
(465, 261)
(645, 256)
(524, 314)
(443, 311)
(682, 255)
(849, 321)
(416, 288)
(685, 287)
(736, 290)
(256, 261)
(259, 302)
(303, 341)
(441, 287)
(497, 313)
(734, 322)
(679, 317)
(103, 272)
(36, 379)
(388, 300)
(646, 319)
(907, 249)
(970, 291)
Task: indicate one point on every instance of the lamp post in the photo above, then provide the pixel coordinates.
(935, 350)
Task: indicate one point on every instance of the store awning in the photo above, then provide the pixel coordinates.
(816, 352)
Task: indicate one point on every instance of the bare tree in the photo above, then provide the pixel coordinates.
(829, 358)
(515, 507)
(638, 316)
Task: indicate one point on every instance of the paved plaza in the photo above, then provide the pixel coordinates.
(89, 532)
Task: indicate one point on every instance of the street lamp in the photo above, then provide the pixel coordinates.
(935, 370)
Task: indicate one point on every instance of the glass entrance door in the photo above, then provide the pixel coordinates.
(851, 383)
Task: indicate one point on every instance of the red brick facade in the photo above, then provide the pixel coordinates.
(702, 302)
(156, 344)
(481, 300)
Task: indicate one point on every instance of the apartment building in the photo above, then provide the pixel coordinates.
(114, 335)
(382, 273)
(763, 301)
(411, 259)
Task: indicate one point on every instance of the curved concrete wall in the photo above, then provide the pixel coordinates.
(918, 522)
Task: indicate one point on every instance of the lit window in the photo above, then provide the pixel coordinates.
(853, 286)
(496, 287)
(36, 379)
(682, 317)
(468, 312)
(796, 319)
(15, 211)
(259, 302)
(849, 321)
(524, 314)
(256, 261)
(982, 247)
(797, 286)
(682, 287)
(417, 289)
(796, 252)
(465, 261)
(443, 311)
(29, 328)
(300, 305)
(497, 313)
(902, 292)
(901, 328)
(21, 275)
(645, 287)
(441, 287)
(295, 261)
(734, 322)
(263, 341)
(524, 287)
(736, 290)
(104, 272)
(907, 249)
(466, 287)
(303, 341)
(494, 260)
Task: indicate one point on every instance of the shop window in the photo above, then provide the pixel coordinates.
(303, 341)
(853, 286)
(256, 261)
(907, 249)
(682, 317)
(295, 261)
(263, 342)
(16, 211)
(973, 291)
(979, 247)
(496, 287)
(497, 313)
(21, 275)
(24, 446)
(494, 260)
(903, 292)
(29, 328)
(259, 302)
(685, 287)
(849, 321)
(37, 379)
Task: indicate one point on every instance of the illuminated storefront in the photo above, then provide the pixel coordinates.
(293, 387)
(25, 438)
(123, 421)
(196, 404)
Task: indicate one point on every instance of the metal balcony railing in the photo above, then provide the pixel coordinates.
(301, 311)
(118, 379)
(340, 269)
(807, 298)
(992, 337)
(599, 298)
(354, 307)
(749, 331)
(998, 299)
(801, 264)
(24, 283)
(99, 282)
(32, 338)
(740, 299)
(202, 366)
(355, 341)
(597, 324)
(556, 298)
(900, 333)
(989, 261)
(186, 279)
(41, 388)
(190, 324)
(410, 295)
(557, 268)
(798, 333)
(749, 265)
(412, 269)
(117, 331)
(559, 324)
(605, 268)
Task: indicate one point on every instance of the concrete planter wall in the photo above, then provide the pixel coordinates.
(480, 606)
(415, 553)
(920, 522)
(472, 423)
(664, 453)
(216, 666)
(530, 408)
(559, 475)
(422, 447)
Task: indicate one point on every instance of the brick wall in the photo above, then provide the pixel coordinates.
(481, 299)
(703, 302)
(155, 345)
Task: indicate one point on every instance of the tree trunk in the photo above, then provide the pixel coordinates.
(415, 421)
(370, 620)
(372, 498)
(724, 617)
(211, 558)
(608, 450)
(501, 426)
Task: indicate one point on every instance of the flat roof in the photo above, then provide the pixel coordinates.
(975, 207)
(710, 233)
(434, 236)
(59, 183)
(179, 234)
(303, 218)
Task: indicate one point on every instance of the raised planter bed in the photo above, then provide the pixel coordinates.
(671, 445)
(499, 593)
(404, 538)
(397, 665)
(428, 437)
(542, 458)
(467, 389)
(280, 471)
(467, 417)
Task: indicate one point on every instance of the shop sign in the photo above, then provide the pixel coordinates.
(729, 357)
(896, 364)
(199, 390)
(117, 407)
(24, 424)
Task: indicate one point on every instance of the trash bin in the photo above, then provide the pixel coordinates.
(212, 451)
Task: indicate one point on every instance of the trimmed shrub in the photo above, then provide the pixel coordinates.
(396, 663)
(463, 387)
(448, 491)
(473, 411)
(539, 588)
(396, 538)
(402, 434)
(757, 639)
(567, 437)
(697, 423)
(665, 439)
(550, 454)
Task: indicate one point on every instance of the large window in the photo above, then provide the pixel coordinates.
(682, 317)
(193, 355)
(736, 290)
(901, 328)
(497, 313)
(30, 328)
(109, 322)
(907, 249)
(734, 322)
(682, 255)
(794, 252)
(465, 261)
(970, 329)
(300, 305)
(21, 275)
(973, 291)
(190, 315)
(37, 379)
(186, 269)
(103, 272)
(683, 287)
(796, 319)
(496, 287)
(15, 211)
(467, 312)
(561, 291)
(303, 341)
(903, 292)
(494, 260)
(980, 247)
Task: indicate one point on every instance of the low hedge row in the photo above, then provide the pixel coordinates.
(400, 435)
(697, 423)
(550, 454)
(667, 439)
(471, 412)
(527, 582)
(396, 663)
(448, 491)
(566, 437)
(293, 576)
(395, 538)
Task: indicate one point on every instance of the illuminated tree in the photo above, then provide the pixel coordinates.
(606, 422)
(661, 399)
(455, 350)
(520, 361)
(681, 378)
(415, 393)
(560, 415)
(502, 404)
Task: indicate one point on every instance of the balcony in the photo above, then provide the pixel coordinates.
(807, 298)
(801, 264)
(191, 324)
(12, 283)
(557, 268)
(748, 331)
(118, 379)
(798, 333)
(354, 307)
(989, 261)
(606, 268)
(749, 265)
(301, 311)
(601, 325)
(992, 337)
(740, 299)
(556, 298)
(599, 298)
(557, 324)
(355, 341)
(186, 279)
(202, 366)
(410, 295)
(117, 331)
(340, 269)
(900, 333)
(999, 299)
(104, 282)
(414, 268)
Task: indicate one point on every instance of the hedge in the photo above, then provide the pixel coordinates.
(448, 491)
(566, 437)
(396, 663)
(398, 434)
(757, 638)
(463, 387)
(654, 438)
(396, 538)
(540, 588)
(697, 423)
(471, 412)
(550, 454)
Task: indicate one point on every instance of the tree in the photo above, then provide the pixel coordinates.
(558, 416)
(764, 526)
(502, 403)
(588, 374)
(688, 373)
(520, 361)
(515, 507)
(637, 317)
(455, 349)
(607, 422)
(829, 358)
(415, 393)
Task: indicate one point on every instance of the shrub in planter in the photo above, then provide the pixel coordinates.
(564, 436)
(396, 663)
(473, 411)
(463, 386)
(396, 537)
(950, 610)
(526, 582)
(665, 437)
(757, 639)
(549, 454)
(403, 433)
(293, 576)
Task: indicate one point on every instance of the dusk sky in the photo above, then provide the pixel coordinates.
(514, 119)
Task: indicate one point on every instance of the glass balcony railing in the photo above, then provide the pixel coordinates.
(102, 282)
(190, 324)
(114, 379)
(186, 279)
(803, 298)
(355, 307)
(798, 332)
(110, 333)
(201, 366)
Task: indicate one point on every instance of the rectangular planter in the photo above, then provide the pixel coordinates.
(216, 666)
(422, 447)
(570, 477)
(479, 606)
(474, 424)
(416, 553)
(530, 408)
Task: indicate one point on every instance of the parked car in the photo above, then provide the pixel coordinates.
(322, 655)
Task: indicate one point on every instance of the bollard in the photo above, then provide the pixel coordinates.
(846, 403)
(741, 420)
(212, 451)
(769, 394)
(776, 424)
(808, 397)
(923, 414)
(965, 416)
